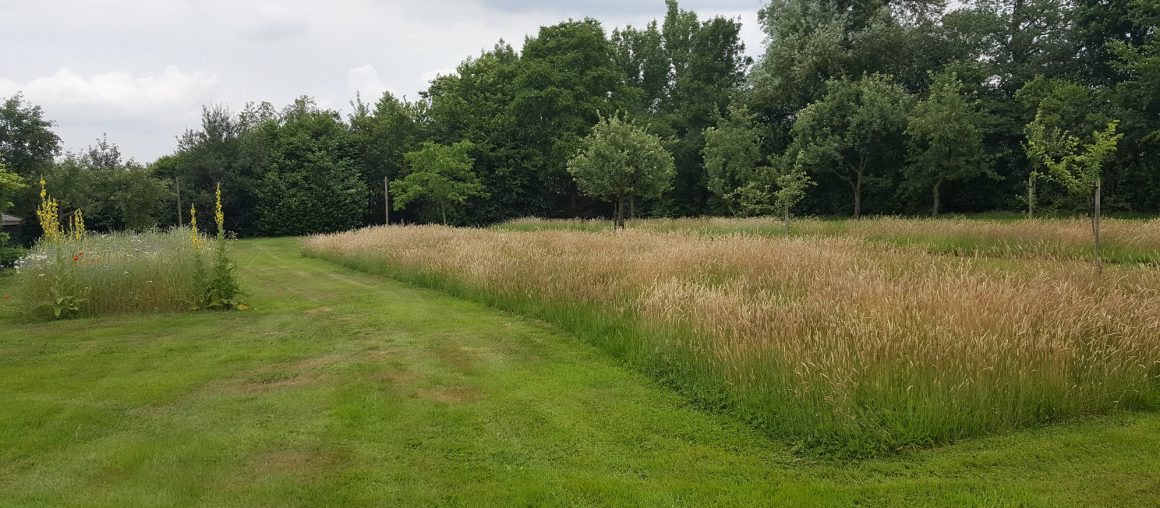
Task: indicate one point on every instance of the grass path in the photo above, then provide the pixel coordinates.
(343, 388)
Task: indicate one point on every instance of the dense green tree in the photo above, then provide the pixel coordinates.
(619, 161)
(945, 133)
(732, 156)
(1137, 178)
(312, 184)
(568, 75)
(708, 65)
(27, 142)
(811, 42)
(10, 184)
(228, 149)
(1099, 27)
(440, 175)
(115, 194)
(1026, 38)
(641, 55)
(1006, 44)
(128, 198)
(855, 133)
(1067, 106)
(478, 103)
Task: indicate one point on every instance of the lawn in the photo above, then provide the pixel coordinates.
(344, 388)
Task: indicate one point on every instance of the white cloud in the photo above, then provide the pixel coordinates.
(142, 113)
(120, 94)
(365, 80)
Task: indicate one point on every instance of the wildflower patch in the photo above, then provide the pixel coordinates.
(71, 272)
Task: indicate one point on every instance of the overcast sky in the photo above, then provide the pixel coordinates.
(140, 70)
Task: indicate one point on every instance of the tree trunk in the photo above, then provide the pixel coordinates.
(618, 210)
(620, 213)
(443, 211)
(632, 207)
(858, 192)
(785, 219)
(1031, 196)
(1096, 227)
(935, 206)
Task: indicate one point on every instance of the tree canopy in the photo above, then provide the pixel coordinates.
(945, 133)
(619, 161)
(855, 133)
(440, 175)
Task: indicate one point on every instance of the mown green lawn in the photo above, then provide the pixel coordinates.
(343, 388)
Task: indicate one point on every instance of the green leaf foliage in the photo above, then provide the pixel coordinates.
(1067, 159)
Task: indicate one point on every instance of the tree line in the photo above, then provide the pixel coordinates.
(853, 107)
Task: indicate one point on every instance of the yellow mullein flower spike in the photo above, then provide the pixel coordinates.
(78, 225)
(48, 213)
(194, 237)
(219, 217)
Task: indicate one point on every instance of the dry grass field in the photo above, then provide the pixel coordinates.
(1124, 240)
(831, 340)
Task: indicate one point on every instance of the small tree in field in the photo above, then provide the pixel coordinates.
(440, 174)
(1078, 167)
(618, 161)
(792, 181)
(855, 132)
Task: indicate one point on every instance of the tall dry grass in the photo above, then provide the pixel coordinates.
(1124, 240)
(828, 341)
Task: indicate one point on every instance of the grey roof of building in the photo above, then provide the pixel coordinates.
(10, 220)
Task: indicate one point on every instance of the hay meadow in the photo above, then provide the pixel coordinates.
(840, 342)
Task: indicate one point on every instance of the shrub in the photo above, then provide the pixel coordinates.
(10, 254)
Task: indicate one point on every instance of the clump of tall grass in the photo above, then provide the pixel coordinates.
(1125, 240)
(73, 273)
(827, 341)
